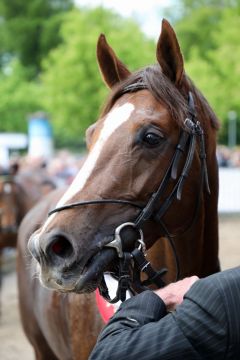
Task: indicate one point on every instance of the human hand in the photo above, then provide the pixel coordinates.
(172, 294)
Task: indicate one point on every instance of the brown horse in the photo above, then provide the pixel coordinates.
(147, 166)
(19, 191)
(8, 212)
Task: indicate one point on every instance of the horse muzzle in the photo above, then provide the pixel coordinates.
(61, 267)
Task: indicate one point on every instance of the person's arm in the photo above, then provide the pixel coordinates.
(139, 330)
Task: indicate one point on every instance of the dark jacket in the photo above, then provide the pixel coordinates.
(205, 326)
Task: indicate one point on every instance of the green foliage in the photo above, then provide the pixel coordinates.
(208, 32)
(29, 29)
(73, 88)
(48, 59)
(196, 30)
(69, 86)
(19, 97)
(217, 72)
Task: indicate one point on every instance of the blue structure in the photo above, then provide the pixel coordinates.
(40, 136)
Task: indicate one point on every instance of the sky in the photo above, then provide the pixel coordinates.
(149, 13)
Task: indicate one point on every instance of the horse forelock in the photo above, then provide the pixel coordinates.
(164, 90)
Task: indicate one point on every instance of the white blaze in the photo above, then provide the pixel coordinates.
(114, 119)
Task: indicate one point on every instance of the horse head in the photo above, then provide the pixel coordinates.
(9, 208)
(19, 191)
(146, 168)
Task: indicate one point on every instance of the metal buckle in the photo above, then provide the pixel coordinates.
(194, 127)
(142, 246)
(116, 243)
(189, 124)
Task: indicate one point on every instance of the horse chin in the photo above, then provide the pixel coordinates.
(92, 274)
(54, 281)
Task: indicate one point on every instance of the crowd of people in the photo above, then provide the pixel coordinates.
(60, 169)
(228, 157)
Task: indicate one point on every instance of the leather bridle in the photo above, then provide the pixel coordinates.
(132, 264)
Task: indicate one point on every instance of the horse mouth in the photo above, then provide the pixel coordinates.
(93, 270)
(84, 278)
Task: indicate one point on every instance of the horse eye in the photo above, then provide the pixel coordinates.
(152, 139)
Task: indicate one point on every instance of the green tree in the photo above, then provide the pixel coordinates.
(196, 21)
(19, 97)
(73, 88)
(29, 29)
(218, 77)
(208, 31)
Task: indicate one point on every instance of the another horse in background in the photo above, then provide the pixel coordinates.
(19, 191)
(151, 162)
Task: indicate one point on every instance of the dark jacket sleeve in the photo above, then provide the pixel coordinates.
(198, 329)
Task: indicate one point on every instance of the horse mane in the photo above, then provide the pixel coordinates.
(152, 78)
(203, 107)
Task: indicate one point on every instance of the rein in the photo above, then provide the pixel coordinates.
(131, 264)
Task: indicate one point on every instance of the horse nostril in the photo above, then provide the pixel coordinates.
(60, 247)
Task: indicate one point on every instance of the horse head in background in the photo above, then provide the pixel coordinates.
(9, 211)
(19, 191)
(10, 207)
(150, 156)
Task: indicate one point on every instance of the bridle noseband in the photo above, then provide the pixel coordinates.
(132, 264)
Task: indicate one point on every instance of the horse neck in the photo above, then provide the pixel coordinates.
(197, 248)
(210, 262)
(198, 255)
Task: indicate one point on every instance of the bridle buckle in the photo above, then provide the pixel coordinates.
(142, 246)
(116, 243)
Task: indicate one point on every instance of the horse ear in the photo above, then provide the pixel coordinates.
(89, 135)
(14, 168)
(169, 55)
(112, 69)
